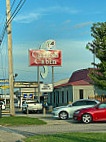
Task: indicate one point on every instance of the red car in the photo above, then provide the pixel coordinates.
(96, 113)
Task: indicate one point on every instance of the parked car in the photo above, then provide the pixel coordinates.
(65, 112)
(3, 106)
(32, 106)
(96, 113)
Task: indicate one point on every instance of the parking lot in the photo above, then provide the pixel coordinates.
(60, 126)
(53, 126)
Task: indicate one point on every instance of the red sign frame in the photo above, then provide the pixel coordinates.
(44, 58)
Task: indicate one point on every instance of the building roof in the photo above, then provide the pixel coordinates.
(61, 82)
(79, 77)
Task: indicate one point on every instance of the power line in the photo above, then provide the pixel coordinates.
(11, 7)
(17, 9)
(5, 24)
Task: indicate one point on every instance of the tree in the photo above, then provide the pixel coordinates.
(98, 48)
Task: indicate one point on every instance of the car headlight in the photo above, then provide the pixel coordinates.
(76, 112)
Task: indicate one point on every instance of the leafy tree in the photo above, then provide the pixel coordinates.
(98, 48)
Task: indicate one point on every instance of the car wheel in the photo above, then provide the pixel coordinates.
(63, 115)
(86, 118)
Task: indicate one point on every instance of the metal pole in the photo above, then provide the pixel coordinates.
(5, 96)
(12, 109)
(94, 56)
(53, 76)
(38, 85)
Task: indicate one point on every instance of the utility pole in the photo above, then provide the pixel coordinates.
(12, 109)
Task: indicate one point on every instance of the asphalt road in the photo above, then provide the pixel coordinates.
(53, 126)
(59, 126)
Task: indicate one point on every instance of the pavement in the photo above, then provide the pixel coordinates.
(10, 136)
(16, 134)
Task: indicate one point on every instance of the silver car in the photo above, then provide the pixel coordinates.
(65, 112)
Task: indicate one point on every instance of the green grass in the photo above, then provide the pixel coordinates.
(10, 121)
(69, 137)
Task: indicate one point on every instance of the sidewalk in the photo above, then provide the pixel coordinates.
(10, 137)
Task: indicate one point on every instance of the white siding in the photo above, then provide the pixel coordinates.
(88, 90)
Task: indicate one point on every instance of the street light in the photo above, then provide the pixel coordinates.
(94, 55)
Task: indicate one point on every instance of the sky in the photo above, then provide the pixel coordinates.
(68, 22)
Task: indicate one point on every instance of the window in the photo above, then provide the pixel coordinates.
(54, 98)
(58, 96)
(79, 103)
(67, 97)
(62, 96)
(102, 105)
(81, 94)
(91, 103)
(51, 98)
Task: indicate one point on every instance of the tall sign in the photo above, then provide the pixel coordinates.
(43, 57)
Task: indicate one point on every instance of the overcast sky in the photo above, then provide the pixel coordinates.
(68, 22)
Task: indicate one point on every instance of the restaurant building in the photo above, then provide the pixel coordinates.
(77, 87)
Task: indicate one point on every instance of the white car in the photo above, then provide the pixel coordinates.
(65, 112)
(3, 106)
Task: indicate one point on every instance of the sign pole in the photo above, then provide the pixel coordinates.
(53, 76)
(38, 85)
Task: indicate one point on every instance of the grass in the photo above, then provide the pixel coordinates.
(69, 137)
(16, 121)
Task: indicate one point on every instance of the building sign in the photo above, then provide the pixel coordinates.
(43, 57)
(28, 95)
(4, 81)
(4, 87)
(46, 87)
(21, 84)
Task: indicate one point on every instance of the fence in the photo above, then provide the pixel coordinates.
(99, 98)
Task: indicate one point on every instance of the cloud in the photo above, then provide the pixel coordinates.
(59, 9)
(33, 16)
(74, 57)
(28, 18)
(67, 21)
(68, 10)
(81, 25)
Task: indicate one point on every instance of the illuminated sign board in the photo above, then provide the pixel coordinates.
(43, 57)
